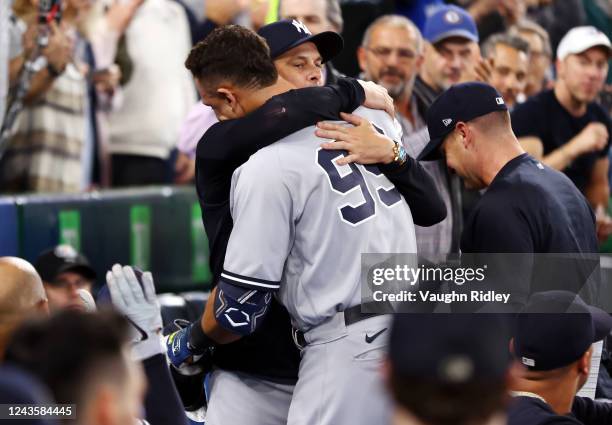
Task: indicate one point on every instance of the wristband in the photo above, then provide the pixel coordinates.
(198, 340)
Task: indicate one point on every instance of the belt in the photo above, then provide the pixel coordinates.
(352, 315)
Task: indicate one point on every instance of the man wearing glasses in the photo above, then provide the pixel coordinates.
(392, 55)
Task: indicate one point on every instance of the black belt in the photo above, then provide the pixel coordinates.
(352, 315)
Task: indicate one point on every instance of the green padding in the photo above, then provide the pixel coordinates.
(157, 229)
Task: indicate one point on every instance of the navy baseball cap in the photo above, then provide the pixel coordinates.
(62, 258)
(450, 21)
(556, 328)
(450, 348)
(462, 102)
(284, 35)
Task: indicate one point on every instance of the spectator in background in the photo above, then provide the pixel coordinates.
(83, 360)
(566, 128)
(156, 99)
(391, 54)
(318, 16)
(457, 374)
(509, 56)
(55, 141)
(64, 272)
(451, 37)
(539, 75)
(105, 27)
(22, 296)
(553, 340)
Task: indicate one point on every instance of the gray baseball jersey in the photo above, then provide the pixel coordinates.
(301, 223)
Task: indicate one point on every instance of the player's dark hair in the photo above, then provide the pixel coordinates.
(232, 53)
(71, 351)
(434, 403)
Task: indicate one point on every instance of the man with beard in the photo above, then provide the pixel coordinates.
(391, 55)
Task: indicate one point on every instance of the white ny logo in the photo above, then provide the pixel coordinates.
(301, 27)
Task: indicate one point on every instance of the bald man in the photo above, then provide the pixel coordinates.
(22, 295)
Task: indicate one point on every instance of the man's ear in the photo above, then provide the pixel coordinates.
(361, 58)
(584, 363)
(229, 97)
(465, 134)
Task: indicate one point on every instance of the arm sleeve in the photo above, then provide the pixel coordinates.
(591, 412)
(419, 191)
(229, 144)
(162, 402)
(261, 207)
(279, 117)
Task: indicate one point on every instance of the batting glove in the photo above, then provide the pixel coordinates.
(178, 348)
(139, 304)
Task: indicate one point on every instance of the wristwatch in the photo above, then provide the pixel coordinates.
(399, 153)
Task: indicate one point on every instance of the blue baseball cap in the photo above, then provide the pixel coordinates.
(284, 35)
(555, 328)
(462, 102)
(450, 348)
(450, 21)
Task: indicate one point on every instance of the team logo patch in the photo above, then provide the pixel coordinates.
(300, 27)
(447, 121)
(499, 100)
(452, 17)
(236, 318)
(527, 361)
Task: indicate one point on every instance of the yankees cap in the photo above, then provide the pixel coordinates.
(450, 21)
(462, 102)
(62, 258)
(556, 328)
(449, 348)
(284, 35)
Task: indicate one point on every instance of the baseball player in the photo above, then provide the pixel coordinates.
(256, 372)
(301, 222)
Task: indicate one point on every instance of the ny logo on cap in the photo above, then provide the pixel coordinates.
(447, 121)
(499, 100)
(300, 27)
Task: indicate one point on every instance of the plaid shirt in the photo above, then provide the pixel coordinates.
(436, 239)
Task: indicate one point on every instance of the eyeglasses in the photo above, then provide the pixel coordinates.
(385, 52)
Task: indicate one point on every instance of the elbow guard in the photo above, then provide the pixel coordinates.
(240, 310)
